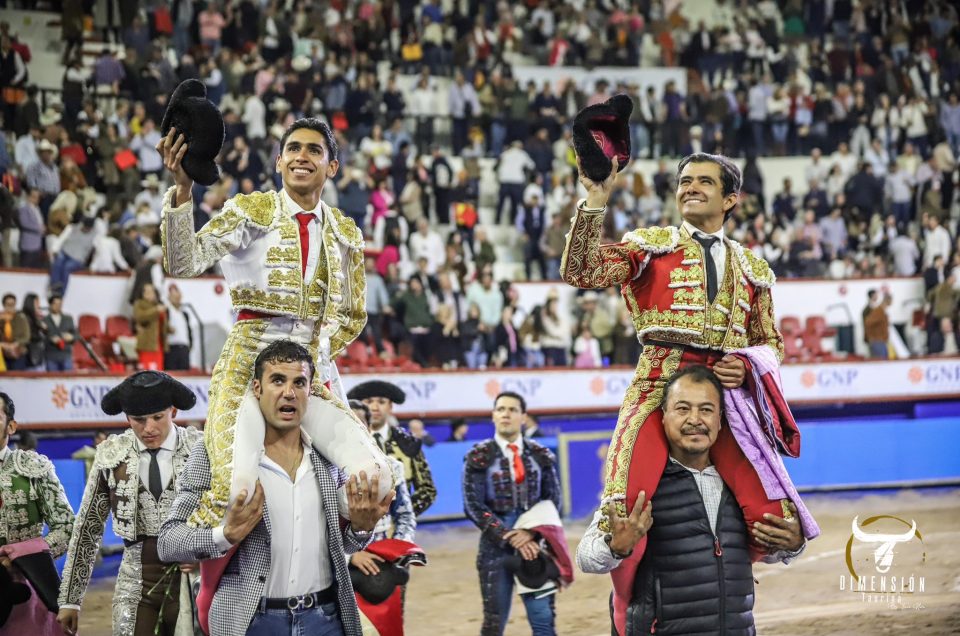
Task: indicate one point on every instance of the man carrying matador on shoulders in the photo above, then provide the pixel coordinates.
(695, 297)
(294, 270)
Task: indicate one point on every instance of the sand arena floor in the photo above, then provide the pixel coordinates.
(802, 599)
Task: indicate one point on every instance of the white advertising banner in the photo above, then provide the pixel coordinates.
(75, 400)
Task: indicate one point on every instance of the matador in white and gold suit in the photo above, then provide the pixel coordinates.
(256, 240)
(292, 274)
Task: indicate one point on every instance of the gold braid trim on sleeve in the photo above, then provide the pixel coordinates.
(762, 329)
(186, 254)
(353, 304)
(424, 490)
(586, 263)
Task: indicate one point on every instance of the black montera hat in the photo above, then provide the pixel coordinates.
(533, 573)
(147, 392)
(600, 133)
(200, 122)
(377, 388)
(376, 588)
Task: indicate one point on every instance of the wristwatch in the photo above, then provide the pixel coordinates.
(582, 206)
(361, 534)
(607, 538)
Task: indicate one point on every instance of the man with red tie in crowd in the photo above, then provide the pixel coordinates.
(511, 491)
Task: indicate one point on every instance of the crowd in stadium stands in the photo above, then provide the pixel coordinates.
(867, 90)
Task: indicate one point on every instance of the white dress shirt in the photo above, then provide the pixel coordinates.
(314, 228)
(718, 250)
(300, 559)
(429, 246)
(107, 257)
(179, 323)
(505, 449)
(383, 432)
(299, 553)
(164, 458)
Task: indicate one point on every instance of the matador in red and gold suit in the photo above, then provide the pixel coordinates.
(664, 276)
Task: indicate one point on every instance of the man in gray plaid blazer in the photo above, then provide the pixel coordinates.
(288, 571)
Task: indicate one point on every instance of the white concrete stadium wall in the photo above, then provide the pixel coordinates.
(841, 302)
(44, 41)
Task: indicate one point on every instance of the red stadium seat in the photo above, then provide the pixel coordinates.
(814, 333)
(88, 326)
(818, 325)
(358, 354)
(81, 358)
(118, 326)
(792, 344)
(790, 324)
(792, 349)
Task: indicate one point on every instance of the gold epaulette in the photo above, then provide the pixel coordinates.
(654, 240)
(346, 230)
(259, 207)
(755, 268)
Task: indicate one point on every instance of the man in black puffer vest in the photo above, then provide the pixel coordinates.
(695, 576)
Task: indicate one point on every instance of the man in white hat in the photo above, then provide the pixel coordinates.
(44, 174)
(50, 116)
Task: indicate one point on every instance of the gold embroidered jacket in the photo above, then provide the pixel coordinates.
(33, 496)
(113, 485)
(256, 241)
(663, 281)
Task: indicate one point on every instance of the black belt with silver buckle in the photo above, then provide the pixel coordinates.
(306, 601)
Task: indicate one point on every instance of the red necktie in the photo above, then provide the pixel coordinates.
(304, 218)
(518, 471)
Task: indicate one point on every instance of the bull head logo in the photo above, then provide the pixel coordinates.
(883, 555)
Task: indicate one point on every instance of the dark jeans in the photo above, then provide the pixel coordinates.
(60, 271)
(66, 364)
(555, 356)
(878, 349)
(424, 134)
(374, 327)
(17, 364)
(514, 193)
(901, 211)
(459, 141)
(32, 260)
(421, 348)
(496, 586)
(442, 196)
(177, 358)
(533, 254)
